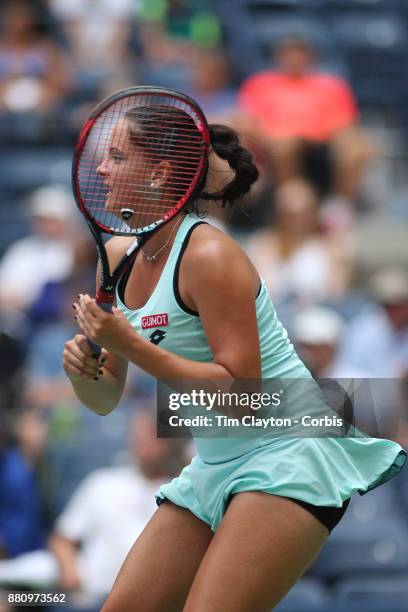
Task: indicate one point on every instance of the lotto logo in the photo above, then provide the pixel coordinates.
(157, 336)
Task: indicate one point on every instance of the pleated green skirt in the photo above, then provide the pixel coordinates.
(320, 471)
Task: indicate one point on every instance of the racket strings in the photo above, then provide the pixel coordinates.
(127, 184)
(127, 177)
(144, 154)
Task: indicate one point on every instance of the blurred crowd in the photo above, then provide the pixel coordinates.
(326, 226)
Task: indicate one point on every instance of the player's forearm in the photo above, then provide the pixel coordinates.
(66, 554)
(101, 395)
(165, 365)
(64, 550)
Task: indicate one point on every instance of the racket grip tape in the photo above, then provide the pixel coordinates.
(104, 301)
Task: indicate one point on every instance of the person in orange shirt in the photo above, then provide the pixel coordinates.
(304, 115)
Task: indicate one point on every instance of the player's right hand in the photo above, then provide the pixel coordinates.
(79, 362)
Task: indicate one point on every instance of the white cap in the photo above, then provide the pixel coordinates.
(54, 201)
(317, 325)
(390, 286)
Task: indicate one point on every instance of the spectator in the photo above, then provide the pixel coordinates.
(295, 259)
(31, 432)
(11, 364)
(179, 25)
(377, 338)
(98, 37)
(34, 73)
(102, 520)
(318, 333)
(44, 256)
(21, 526)
(46, 385)
(173, 35)
(211, 85)
(106, 527)
(306, 118)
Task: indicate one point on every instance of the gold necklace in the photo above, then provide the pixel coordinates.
(154, 257)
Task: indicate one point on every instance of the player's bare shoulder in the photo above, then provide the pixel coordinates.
(210, 248)
(210, 244)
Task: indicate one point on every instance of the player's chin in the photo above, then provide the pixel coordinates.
(109, 201)
(114, 207)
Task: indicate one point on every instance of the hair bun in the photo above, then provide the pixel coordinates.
(225, 142)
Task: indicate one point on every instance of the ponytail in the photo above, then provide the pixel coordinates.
(225, 143)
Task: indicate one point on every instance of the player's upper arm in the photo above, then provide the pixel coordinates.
(222, 284)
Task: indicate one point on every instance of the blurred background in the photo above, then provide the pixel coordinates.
(318, 90)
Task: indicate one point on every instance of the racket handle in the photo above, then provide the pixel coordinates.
(104, 301)
(96, 349)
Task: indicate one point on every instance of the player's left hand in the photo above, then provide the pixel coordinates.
(111, 331)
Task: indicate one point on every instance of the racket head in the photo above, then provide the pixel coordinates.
(140, 157)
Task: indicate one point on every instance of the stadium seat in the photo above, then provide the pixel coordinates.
(399, 484)
(386, 588)
(13, 222)
(270, 21)
(372, 537)
(370, 6)
(270, 28)
(361, 605)
(26, 169)
(374, 506)
(240, 40)
(21, 171)
(382, 31)
(376, 547)
(375, 48)
(308, 592)
(81, 442)
(340, 605)
(277, 5)
(368, 594)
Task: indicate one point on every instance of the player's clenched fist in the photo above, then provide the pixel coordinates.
(79, 361)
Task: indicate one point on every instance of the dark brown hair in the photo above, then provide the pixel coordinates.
(226, 144)
(162, 129)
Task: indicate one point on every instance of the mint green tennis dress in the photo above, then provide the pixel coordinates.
(319, 471)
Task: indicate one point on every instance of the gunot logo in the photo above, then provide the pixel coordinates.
(157, 320)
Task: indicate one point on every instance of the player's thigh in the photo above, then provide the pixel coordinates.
(263, 545)
(159, 569)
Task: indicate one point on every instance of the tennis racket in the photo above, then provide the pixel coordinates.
(140, 157)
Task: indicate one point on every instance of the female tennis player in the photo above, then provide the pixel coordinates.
(244, 520)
